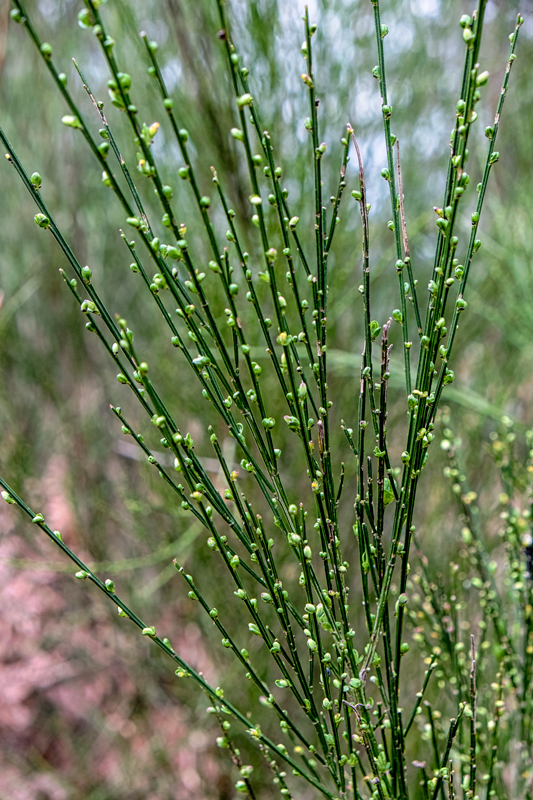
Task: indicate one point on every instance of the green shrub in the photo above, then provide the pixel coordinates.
(244, 299)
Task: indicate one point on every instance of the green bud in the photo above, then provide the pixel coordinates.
(174, 253)
(244, 100)
(15, 15)
(375, 329)
(110, 586)
(7, 497)
(84, 18)
(36, 180)
(449, 376)
(46, 51)
(397, 315)
(237, 134)
(124, 80)
(42, 221)
(71, 122)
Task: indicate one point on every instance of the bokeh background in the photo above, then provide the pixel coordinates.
(87, 709)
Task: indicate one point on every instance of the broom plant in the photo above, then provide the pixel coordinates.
(237, 290)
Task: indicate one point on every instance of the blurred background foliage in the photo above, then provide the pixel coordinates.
(87, 709)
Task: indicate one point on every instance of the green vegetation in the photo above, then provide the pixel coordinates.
(261, 330)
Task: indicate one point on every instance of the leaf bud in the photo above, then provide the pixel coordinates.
(244, 100)
(449, 377)
(46, 51)
(84, 18)
(71, 121)
(36, 180)
(42, 221)
(237, 134)
(397, 315)
(375, 329)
